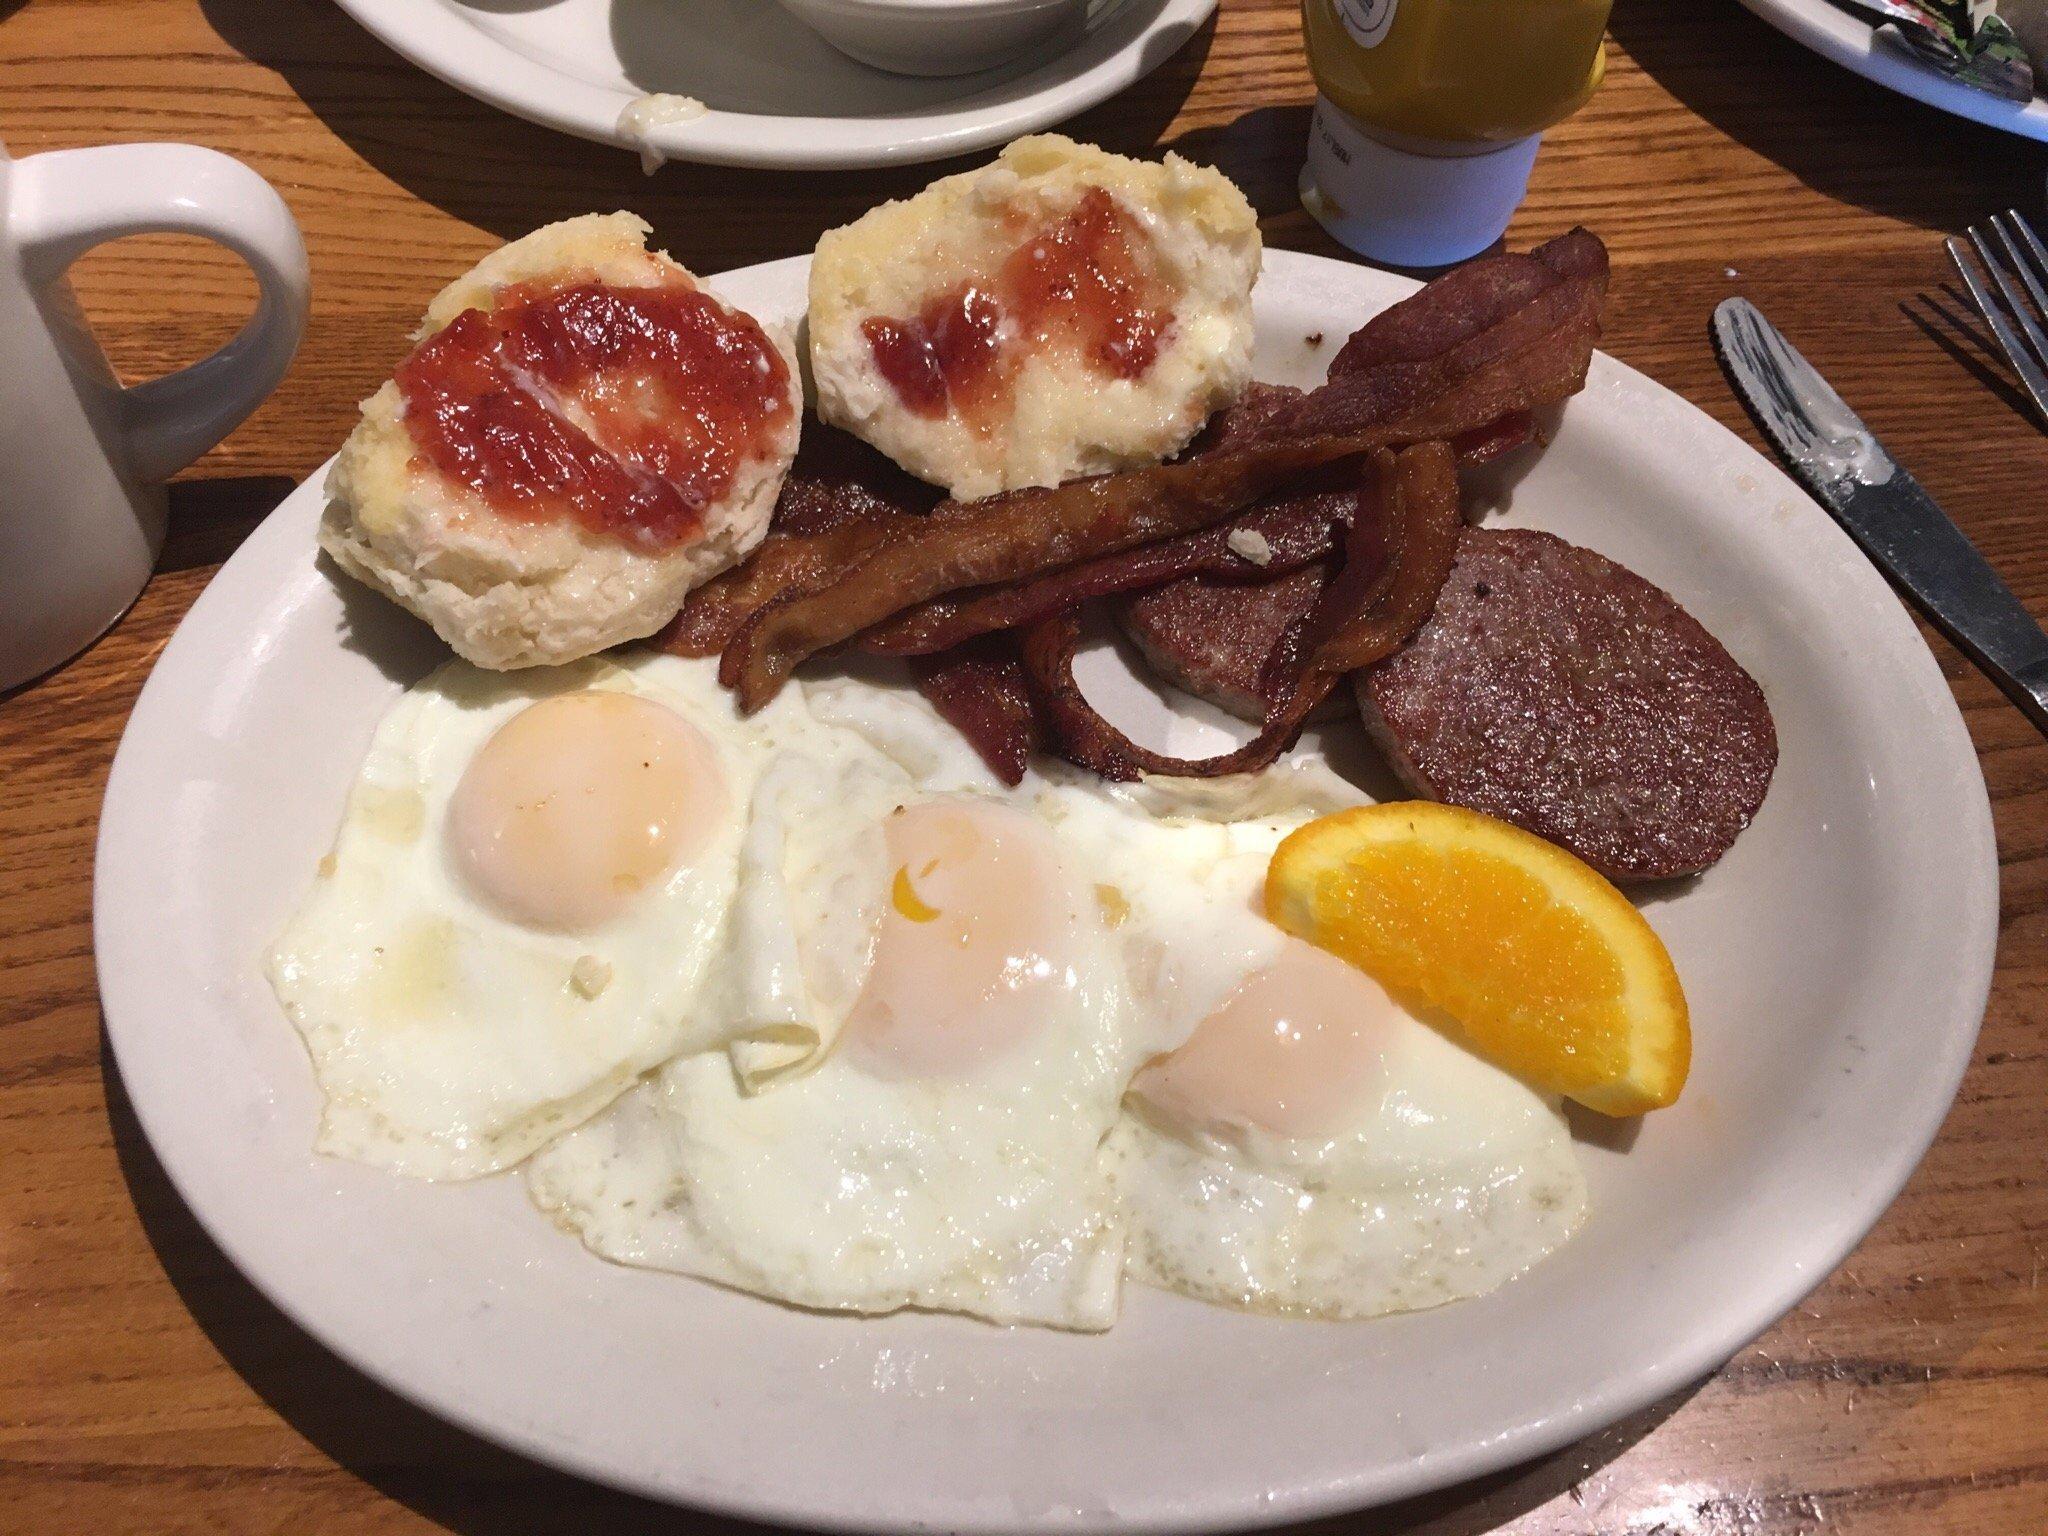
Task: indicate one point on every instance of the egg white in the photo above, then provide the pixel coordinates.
(451, 1041)
(1451, 1178)
(841, 1191)
(848, 1186)
(698, 1112)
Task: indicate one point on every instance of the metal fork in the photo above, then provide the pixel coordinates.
(2025, 347)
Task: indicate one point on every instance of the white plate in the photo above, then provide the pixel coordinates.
(780, 95)
(1851, 41)
(1837, 961)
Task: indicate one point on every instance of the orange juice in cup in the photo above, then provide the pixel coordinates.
(1428, 115)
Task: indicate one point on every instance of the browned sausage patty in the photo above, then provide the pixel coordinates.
(1211, 638)
(1562, 692)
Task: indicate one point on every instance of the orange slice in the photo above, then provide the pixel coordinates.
(1546, 969)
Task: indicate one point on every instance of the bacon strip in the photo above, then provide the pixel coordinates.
(1396, 564)
(1515, 430)
(1297, 531)
(1393, 568)
(1249, 416)
(1471, 299)
(1517, 343)
(981, 690)
(1024, 533)
(840, 499)
(1468, 391)
(1007, 538)
(1465, 338)
(784, 563)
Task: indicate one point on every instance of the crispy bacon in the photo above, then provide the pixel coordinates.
(1394, 566)
(1515, 430)
(1007, 538)
(1508, 340)
(1484, 332)
(1295, 531)
(1414, 402)
(1026, 533)
(840, 499)
(1396, 563)
(981, 690)
(1247, 417)
(1470, 300)
(784, 563)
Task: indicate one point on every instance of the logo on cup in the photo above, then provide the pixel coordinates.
(1367, 20)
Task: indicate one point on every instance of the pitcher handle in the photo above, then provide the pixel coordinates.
(67, 201)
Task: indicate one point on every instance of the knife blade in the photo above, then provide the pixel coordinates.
(1837, 458)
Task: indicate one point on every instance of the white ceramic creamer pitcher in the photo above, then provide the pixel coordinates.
(82, 460)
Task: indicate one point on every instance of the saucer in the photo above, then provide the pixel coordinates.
(778, 95)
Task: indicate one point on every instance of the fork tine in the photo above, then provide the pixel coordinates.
(2002, 224)
(2026, 228)
(2015, 350)
(2015, 305)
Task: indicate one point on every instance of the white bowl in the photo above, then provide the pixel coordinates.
(935, 37)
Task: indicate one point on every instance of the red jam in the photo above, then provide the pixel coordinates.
(1079, 283)
(629, 410)
(947, 354)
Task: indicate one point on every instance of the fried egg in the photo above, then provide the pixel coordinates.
(947, 1154)
(809, 1005)
(519, 911)
(1304, 1145)
(547, 884)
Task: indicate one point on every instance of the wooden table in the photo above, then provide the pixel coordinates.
(144, 1386)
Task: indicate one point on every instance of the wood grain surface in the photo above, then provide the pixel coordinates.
(145, 1387)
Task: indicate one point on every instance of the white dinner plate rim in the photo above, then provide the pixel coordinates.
(428, 35)
(126, 996)
(1851, 42)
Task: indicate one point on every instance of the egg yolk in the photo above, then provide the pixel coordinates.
(1298, 1049)
(975, 942)
(580, 803)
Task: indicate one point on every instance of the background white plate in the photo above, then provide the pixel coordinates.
(1837, 962)
(1851, 41)
(781, 96)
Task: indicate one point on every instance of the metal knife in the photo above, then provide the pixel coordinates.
(1884, 509)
